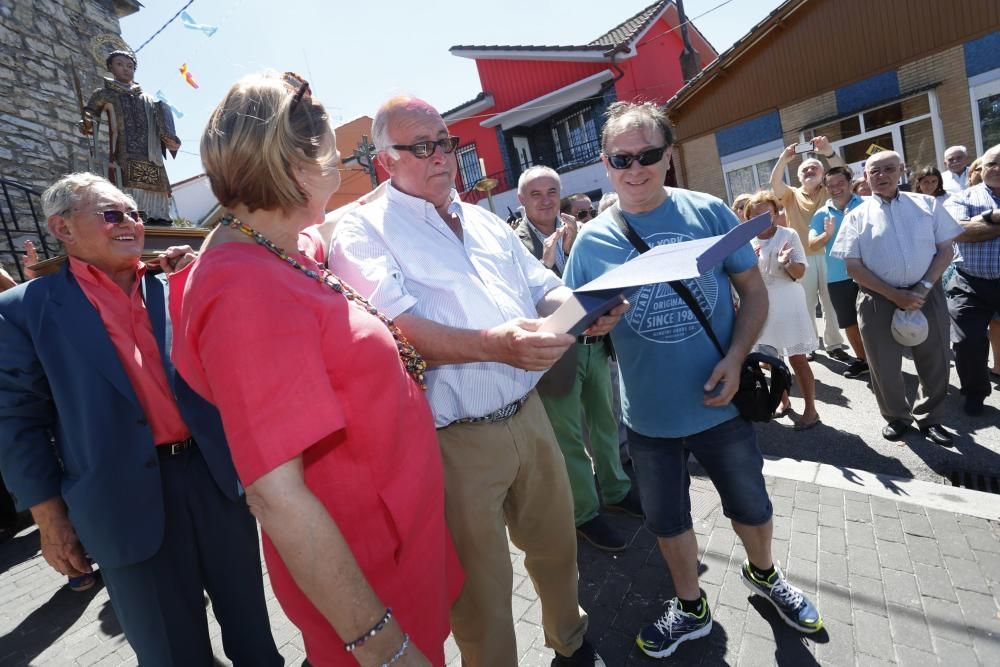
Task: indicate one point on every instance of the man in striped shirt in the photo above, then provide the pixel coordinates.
(974, 292)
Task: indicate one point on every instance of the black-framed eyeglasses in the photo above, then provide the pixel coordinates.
(425, 149)
(586, 214)
(116, 217)
(299, 85)
(645, 158)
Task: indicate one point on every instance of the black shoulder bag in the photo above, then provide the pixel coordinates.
(754, 399)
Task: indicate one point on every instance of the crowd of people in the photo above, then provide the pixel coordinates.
(375, 386)
(863, 251)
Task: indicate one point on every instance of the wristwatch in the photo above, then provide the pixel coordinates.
(926, 284)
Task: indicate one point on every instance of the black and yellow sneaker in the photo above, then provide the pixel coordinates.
(793, 607)
(675, 626)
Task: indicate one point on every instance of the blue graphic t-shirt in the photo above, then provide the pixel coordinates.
(836, 268)
(664, 356)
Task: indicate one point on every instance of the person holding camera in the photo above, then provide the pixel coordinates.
(676, 391)
(800, 204)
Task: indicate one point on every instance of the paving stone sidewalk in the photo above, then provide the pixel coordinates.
(896, 583)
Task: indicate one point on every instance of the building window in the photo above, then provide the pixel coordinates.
(984, 91)
(905, 126)
(576, 140)
(750, 170)
(468, 165)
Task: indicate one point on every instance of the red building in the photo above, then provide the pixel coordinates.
(544, 104)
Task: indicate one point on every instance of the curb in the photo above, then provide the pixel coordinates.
(900, 489)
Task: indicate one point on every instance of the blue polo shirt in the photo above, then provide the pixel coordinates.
(836, 269)
(664, 356)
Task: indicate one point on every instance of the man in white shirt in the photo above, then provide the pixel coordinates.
(896, 246)
(468, 295)
(955, 176)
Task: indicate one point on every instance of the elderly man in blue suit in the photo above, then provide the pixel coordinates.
(117, 458)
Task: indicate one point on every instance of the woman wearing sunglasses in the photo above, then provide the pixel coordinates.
(321, 396)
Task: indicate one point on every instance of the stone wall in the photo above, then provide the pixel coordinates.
(40, 43)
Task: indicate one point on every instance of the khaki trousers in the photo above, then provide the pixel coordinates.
(885, 358)
(512, 473)
(815, 285)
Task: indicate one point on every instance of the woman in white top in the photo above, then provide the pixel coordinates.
(789, 328)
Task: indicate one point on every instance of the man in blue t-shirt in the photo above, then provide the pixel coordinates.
(843, 291)
(676, 392)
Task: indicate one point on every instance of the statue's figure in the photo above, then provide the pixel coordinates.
(140, 131)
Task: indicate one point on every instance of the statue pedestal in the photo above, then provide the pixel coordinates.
(158, 239)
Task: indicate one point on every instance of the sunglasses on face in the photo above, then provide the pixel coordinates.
(645, 158)
(586, 214)
(425, 149)
(115, 217)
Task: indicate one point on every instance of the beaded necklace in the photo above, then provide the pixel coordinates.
(408, 355)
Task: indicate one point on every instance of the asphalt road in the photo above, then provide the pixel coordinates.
(850, 433)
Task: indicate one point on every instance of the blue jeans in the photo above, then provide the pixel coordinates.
(728, 452)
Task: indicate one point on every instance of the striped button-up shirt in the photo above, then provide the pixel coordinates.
(895, 239)
(399, 253)
(981, 259)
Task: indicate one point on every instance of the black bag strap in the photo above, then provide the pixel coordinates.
(679, 287)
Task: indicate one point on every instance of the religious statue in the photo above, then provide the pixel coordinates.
(140, 131)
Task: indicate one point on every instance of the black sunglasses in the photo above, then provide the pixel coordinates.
(645, 158)
(586, 214)
(425, 149)
(299, 85)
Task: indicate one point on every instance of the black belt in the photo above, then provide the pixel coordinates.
(174, 448)
(590, 340)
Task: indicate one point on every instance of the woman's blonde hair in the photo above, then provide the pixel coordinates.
(262, 129)
(975, 175)
(758, 198)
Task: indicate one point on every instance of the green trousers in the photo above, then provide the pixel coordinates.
(592, 392)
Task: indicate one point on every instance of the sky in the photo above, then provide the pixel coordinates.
(357, 54)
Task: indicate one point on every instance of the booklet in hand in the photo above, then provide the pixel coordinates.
(662, 264)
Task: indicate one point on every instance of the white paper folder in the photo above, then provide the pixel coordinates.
(662, 264)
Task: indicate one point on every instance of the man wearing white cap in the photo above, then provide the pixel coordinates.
(896, 246)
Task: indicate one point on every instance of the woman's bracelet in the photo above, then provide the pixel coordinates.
(399, 654)
(351, 647)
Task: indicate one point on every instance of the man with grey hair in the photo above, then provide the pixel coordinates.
(470, 297)
(116, 457)
(676, 390)
(546, 233)
(974, 290)
(800, 204)
(582, 378)
(896, 246)
(955, 175)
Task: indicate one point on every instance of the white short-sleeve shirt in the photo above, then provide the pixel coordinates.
(895, 239)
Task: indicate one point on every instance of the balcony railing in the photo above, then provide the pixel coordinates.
(577, 155)
(562, 160)
(20, 211)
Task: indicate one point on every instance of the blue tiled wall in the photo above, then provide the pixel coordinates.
(867, 93)
(753, 132)
(983, 54)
